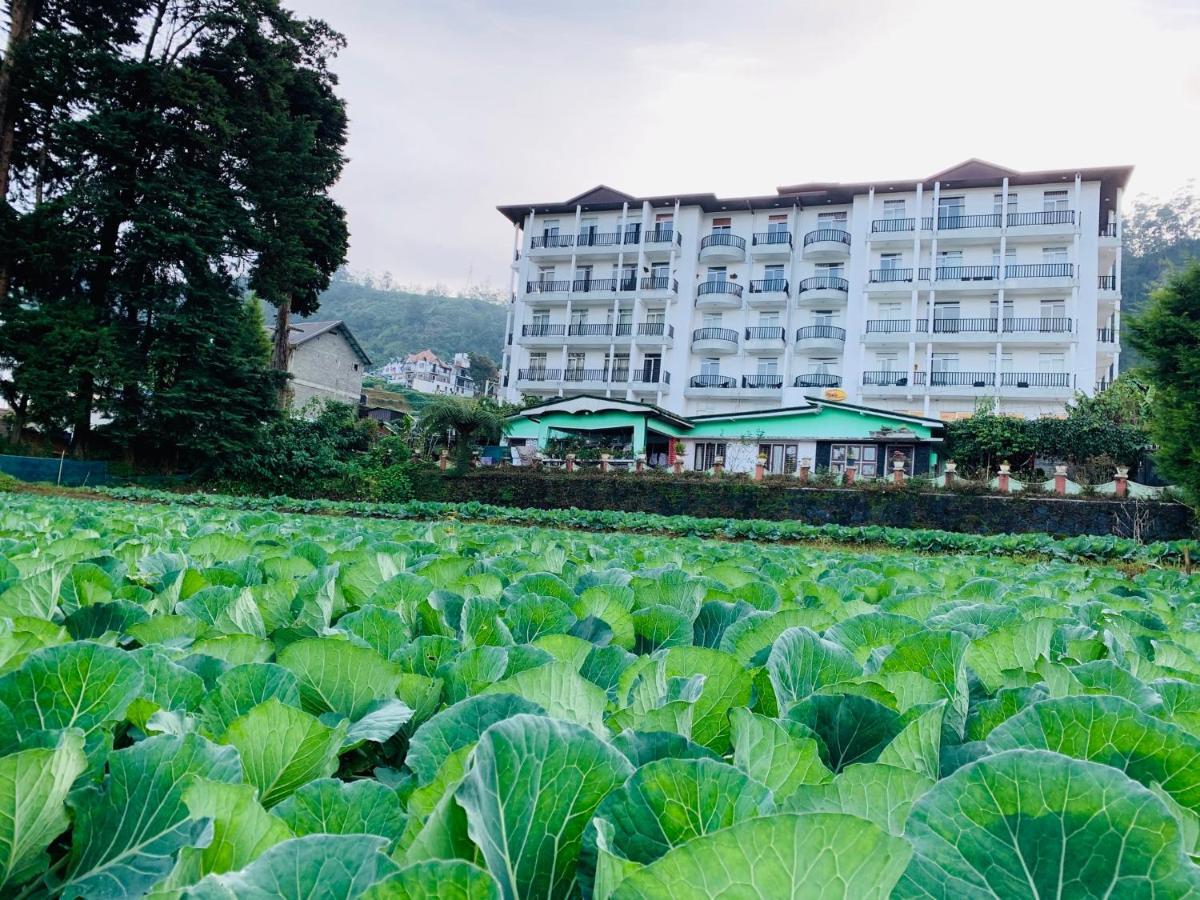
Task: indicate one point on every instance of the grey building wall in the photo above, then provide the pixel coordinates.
(327, 368)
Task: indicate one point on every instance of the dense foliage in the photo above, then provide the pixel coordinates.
(161, 151)
(464, 422)
(927, 540)
(1168, 335)
(213, 704)
(1095, 434)
(392, 322)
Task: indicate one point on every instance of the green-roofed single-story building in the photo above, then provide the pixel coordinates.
(830, 433)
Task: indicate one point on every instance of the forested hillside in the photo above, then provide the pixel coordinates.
(390, 321)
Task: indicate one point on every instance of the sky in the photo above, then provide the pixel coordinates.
(457, 106)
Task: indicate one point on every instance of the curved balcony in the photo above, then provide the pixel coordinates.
(820, 337)
(765, 338)
(715, 340)
(762, 382)
(722, 246)
(718, 295)
(826, 243)
(817, 380)
(823, 289)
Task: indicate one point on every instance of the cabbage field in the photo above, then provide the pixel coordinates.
(218, 703)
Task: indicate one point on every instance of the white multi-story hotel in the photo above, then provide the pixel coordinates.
(920, 296)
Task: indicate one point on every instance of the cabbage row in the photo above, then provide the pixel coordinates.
(219, 703)
(1108, 548)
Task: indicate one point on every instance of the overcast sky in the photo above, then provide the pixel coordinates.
(459, 105)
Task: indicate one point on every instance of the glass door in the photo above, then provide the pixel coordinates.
(652, 368)
(950, 210)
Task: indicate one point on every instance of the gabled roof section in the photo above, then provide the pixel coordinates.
(594, 403)
(883, 413)
(972, 168)
(300, 333)
(602, 193)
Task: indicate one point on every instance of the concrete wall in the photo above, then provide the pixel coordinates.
(326, 368)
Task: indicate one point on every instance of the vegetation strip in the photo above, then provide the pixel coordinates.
(1085, 548)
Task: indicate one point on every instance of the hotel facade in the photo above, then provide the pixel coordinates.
(919, 296)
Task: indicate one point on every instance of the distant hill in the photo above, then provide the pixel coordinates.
(391, 322)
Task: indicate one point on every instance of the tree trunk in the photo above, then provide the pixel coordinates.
(281, 354)
(21, 16)
(81, 434)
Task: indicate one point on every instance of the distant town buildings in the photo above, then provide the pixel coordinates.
(426, 372)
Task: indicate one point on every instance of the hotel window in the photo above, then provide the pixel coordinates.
(710, 365)
(550, 228)
(777, 225)
(712, 320)
(1055, 201)
(781, 458)
(861, 456)
(831, 270)
(717, 273)
(831, 220)
(706, 454)
(890, 262)
(893, 209)
(537, 362)
(545, 274)
(579, 316)
(768, 319)
(773, 278)
(660, 270)
(949, 209)
(576, 362)
(824, 365)
(1054, 254)
(664, 224)
(768, 367)
(1006, 361)
(1052, 362)
(722, 224)
(998, 203)
(886, 362)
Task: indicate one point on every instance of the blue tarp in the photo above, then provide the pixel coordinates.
(38, 468)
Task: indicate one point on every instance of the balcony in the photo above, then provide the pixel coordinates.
(591, 379)
(771, 243)
(888, 380)
(1039, 276)
(890, 275)
(659, 242)
(893, 226)
(538, 378)
(659, 285)
(712, 386)
(768, 338)
(649, 380)
(957, 223)
(958, 325)
(548, 287)
(820, 337)
(541, 334)
(602, 241)
(585, 335)
(722, 246)
(762, 382)
(968, 276)
(962, 379)
(1106, 335)
(540, 244)
(1034, 329)
(1042, 223)
(716, 340)
(655, 333)
(826, 244)
(718, 295)
(823, 289)
(768, 292)
(1039, 382)
(817, 380)
(1107, 287)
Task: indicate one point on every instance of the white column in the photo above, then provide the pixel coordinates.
(790, 317)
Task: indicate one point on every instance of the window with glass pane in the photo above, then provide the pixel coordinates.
(541, 317)
(712, 320)
(777, 225)
(722, 224)
(1055, 201)
(717, 273)
(768, 366)
(710, 365)
(889, 262)
(893, 209)
(1054, 254)
(827, 220)
(831, 270)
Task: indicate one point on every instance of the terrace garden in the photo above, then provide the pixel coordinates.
(212, 702)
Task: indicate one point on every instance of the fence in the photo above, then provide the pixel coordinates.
(39, 468)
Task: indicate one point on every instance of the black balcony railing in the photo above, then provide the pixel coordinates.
(539, 374)
(547, 287)
(967, 273)
(718, 287)
(1107, 282)
(1106, 335)
(1042, 324)
(832, 332)
(834, 235)
(1045, 217)
(817, 379)
(585, 375)
(958, 325)
(660, 283)
(601, 238)
(623, 329)
(715, 334)
(723, 239)
(884, 276)
(764, 333)
(1109, 229)
(661, 236)
(650, 376)
(1035, 379)
(619, 375)
(776, 239)
(962, 379)
(548, 241)
(762, 382)
(880, 226)
(824, 283)
(594, 285)
(888, 378)
(655, 329)
(542, 330)
(888, 326)
(713, 381)
(1040, 270)
(950, 223)
(769, 286)
(583, 329)
(627, 282)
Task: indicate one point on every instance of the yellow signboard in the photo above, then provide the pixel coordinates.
(835, 394)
